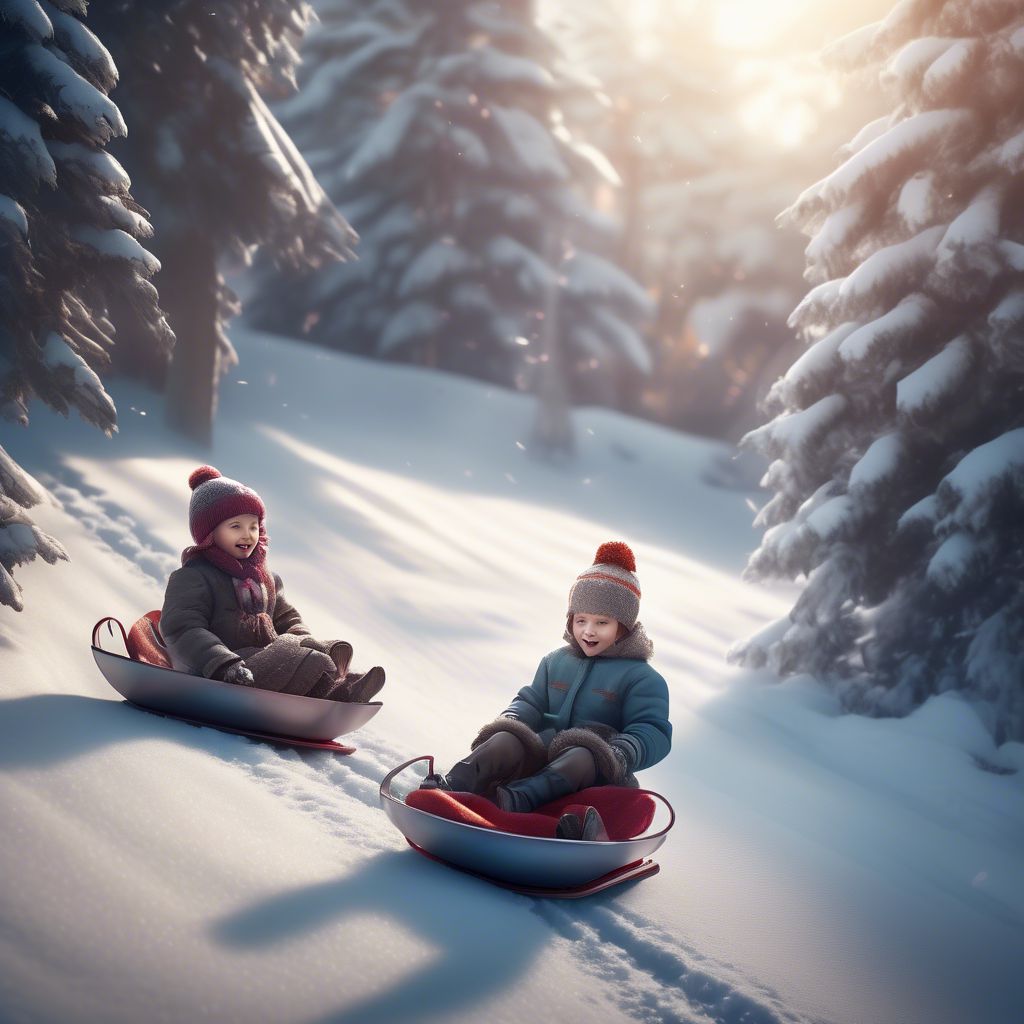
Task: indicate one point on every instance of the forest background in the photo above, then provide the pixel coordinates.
(583, 204)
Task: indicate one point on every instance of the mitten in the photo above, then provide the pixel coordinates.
(239, 674)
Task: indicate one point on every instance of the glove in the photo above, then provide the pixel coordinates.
(239, 674)
(624, 755)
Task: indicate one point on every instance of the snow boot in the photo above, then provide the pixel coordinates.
(590, 828)
(340, 652)
(435, 780)
(324, 687)
(360, 689)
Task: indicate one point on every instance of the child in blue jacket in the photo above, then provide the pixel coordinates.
(595, 713)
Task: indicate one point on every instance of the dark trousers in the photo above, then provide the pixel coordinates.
(500, 761)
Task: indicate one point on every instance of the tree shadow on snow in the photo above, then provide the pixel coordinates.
(48, 729)
(484, 940)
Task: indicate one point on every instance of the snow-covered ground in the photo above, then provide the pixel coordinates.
(824, 867)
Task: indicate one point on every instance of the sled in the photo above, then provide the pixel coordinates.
(144, 677)
(532, 865)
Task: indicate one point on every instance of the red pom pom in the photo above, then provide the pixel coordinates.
(614, 552)
(201, 475)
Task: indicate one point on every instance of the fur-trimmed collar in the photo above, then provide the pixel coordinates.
(635, 644)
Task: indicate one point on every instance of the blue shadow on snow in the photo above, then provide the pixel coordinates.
(48, 729)
(479, 953)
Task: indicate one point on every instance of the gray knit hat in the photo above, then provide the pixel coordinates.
(609, 586)
(216, 498)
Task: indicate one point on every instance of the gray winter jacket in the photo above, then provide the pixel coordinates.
(203, 625)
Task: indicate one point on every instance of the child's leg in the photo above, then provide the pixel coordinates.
(501, 756)
(287, 667)
(572, 770)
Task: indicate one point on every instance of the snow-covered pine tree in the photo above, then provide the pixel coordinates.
(356, 58)
(214, 166)
(70, 242)
(458, 173)
(898, 448)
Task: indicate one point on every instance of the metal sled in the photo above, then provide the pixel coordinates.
(536, 866)
(282, 718)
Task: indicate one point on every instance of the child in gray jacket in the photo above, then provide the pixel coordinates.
(224, 616)
(595, 713)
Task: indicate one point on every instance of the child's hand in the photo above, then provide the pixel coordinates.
(239, 674)
(623, 755)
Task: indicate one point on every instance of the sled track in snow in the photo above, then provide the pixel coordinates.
(662, 979)
(339, 792)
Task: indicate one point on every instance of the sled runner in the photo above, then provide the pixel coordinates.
(145, 678)
(531, 864)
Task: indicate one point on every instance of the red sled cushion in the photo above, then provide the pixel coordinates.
(626, 812)
(145, 642)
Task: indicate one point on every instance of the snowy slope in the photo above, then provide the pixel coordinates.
(825, 868)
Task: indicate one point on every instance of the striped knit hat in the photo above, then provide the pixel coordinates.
(216, 498)
(609, 586)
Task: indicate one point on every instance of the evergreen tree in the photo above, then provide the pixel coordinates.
(466, 188)
(70, 243)
(898, 448)
(356, 59)
(213, 165)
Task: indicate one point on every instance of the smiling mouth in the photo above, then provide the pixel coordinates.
(591, 643)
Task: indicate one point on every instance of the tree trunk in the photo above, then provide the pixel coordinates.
(630, 168)
(188, 291)
(552, 434)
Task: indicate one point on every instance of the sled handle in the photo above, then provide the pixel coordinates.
(385, 785)
(671, 811)
(102, 622)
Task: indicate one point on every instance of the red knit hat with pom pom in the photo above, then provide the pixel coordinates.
(216, 498)
(609, 586)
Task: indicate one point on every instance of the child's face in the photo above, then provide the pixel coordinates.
(594, 633)
(238, 535)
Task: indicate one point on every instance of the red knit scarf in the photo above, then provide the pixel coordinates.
(250, 576)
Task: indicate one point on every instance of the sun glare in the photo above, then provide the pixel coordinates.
(788, 122)
(754, 24)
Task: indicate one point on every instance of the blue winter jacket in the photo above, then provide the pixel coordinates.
(622, 693)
